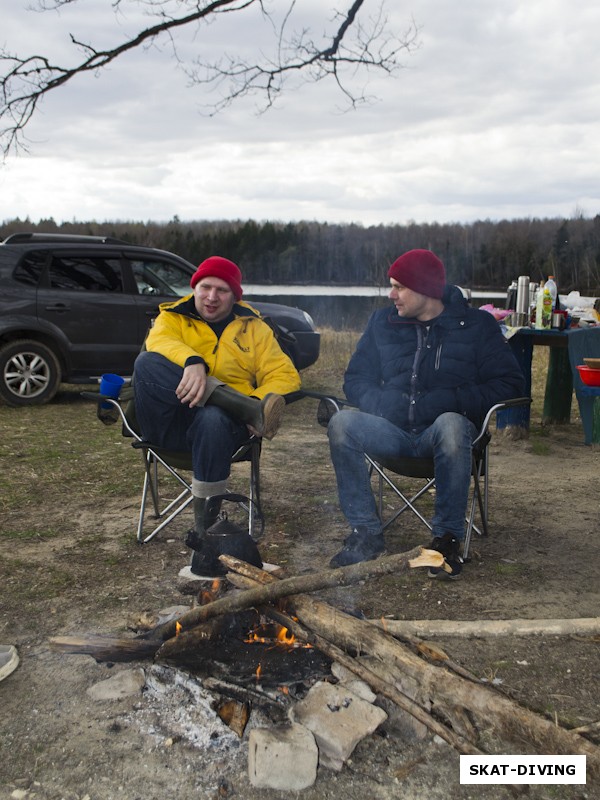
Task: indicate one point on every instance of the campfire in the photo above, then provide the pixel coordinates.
(271, 643)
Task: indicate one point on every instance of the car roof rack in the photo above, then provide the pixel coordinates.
(18, 238)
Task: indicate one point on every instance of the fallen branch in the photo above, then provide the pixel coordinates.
(268, 593)
(483, 628)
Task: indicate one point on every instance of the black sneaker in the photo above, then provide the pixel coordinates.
(448, 545)
(360, 545)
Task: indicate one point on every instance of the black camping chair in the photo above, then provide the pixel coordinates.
(159, 463)
(423, 468)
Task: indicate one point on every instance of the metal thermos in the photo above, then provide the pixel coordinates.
(511, 296)
(523, 294)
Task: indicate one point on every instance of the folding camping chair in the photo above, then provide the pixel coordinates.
(159, 463)
(423, 468)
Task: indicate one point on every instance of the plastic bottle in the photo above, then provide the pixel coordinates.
(547, 308)
(539, 307)
(543, 308)
(553, 289)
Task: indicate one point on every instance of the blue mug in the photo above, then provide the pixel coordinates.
(110, 386)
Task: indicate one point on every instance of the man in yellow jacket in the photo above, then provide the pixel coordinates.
(212, 371)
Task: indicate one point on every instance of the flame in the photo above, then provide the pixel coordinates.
(284, 689)
(281, 638)
(285, 637)
(178, 628)
(209, 595)
(258, 672)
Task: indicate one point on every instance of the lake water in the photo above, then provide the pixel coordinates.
(342, 307)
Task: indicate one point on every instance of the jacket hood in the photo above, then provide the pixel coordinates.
(187, 307)
(453, 296)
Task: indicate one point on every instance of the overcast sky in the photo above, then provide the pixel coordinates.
(496, 115)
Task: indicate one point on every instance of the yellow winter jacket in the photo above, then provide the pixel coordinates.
(246, 357)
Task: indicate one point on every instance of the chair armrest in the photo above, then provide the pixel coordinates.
(515, 401)
(328, 405)
(108, 416)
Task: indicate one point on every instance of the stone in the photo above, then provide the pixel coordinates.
(356, 685)
(283, 758)
(338, 719)
(123, 684)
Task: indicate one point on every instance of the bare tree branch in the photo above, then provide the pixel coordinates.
(25, 81)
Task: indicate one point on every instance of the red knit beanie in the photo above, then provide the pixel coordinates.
(420, 270)
(218, 267)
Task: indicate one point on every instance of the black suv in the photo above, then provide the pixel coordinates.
(75, 307)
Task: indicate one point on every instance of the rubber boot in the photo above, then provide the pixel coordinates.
(264, 416)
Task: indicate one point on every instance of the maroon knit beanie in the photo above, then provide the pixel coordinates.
(218, 267)
(420, 270)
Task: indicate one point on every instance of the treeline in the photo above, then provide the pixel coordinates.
(479, 255)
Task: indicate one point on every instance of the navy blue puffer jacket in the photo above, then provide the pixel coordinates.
(410, 374)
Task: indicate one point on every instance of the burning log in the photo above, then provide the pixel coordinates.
(269, 592)
(178, 636)
(105, 648)
(448, 693)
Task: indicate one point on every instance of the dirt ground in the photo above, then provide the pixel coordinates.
(91, 577)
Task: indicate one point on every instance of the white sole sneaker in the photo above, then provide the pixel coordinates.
(9, 660)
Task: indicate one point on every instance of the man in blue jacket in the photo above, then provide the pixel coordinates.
(423, 376)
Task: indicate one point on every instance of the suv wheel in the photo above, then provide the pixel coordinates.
(29, 373)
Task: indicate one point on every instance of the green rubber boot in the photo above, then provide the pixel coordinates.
(264, 416)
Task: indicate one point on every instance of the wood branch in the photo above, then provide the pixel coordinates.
(473, 629)
(105, 648)
(270, 592)
(487, 708)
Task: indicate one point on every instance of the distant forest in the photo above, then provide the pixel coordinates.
(478, 255)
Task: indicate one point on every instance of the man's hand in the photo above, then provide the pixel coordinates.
(192, 385)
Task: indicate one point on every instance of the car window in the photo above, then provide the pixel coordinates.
(30, 269)
(85, 274)
(161, 278)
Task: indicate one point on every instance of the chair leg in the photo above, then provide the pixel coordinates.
(151, 486)
(480, 498)
(256, 520)
(408, 502)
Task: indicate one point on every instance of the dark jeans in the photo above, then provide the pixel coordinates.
(209, 433)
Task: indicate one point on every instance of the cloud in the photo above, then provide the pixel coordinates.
(494, 116)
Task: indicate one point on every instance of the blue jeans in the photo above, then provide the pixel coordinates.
(448, 441)
(209, 433)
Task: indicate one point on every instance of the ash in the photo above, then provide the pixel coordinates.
(176, 707)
